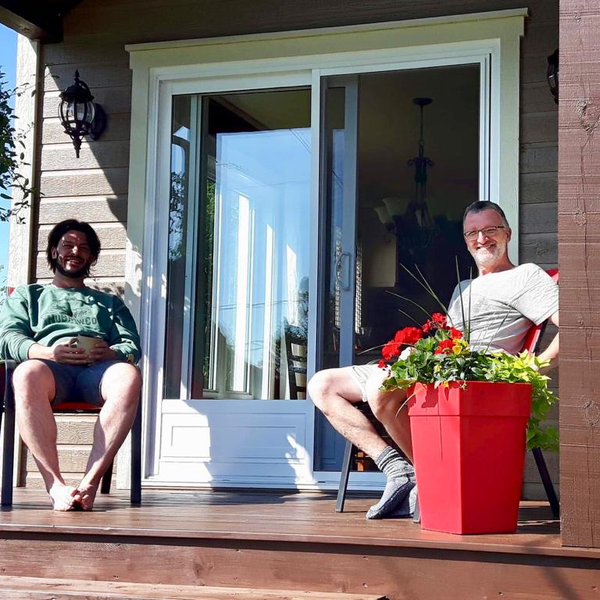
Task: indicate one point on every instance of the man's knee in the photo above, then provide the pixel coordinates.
(322, 387)
(122, 379)
(33, 375)
(318, 387)
(383, 404)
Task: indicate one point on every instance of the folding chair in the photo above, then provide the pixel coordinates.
(7, 410)
(531, 343)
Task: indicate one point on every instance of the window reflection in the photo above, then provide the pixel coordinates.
(249, 303)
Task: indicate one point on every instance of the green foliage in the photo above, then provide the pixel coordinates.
(428, 362)
(11, 157)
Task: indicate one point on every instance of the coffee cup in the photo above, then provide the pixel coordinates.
(87, 342)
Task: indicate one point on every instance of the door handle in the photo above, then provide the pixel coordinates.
(342, 270)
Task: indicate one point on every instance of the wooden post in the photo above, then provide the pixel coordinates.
(579, 260)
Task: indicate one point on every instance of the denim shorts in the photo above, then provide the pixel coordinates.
(74, 383)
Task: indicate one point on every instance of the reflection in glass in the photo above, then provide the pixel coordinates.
(248, 246)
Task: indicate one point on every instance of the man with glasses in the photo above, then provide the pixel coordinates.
(504, 302)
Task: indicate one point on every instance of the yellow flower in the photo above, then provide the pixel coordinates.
(459, 345)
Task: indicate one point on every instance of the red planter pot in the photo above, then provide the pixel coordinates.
(469, 452)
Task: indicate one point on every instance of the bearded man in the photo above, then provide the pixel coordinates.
(504, 302)
(39, 325)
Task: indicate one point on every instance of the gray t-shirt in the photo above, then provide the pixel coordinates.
(503, 306)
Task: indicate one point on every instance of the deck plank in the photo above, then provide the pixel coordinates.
(38, 588)
(274, 516)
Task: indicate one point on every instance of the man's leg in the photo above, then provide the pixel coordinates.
(336, 392)
(34, 387)
(389, 409)
(120, 390)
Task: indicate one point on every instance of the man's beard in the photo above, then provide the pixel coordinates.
(78, 274)
(485, 257)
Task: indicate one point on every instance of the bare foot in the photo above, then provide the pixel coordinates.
(87, 493)
(64, 497)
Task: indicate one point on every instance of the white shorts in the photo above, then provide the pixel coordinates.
(361, 374)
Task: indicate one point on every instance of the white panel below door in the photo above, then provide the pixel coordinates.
(231, 442)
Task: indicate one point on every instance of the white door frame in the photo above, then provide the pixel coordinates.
(281, 60)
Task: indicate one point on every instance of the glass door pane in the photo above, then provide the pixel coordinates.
(338, 201)
(394, 188)
(416, 177)
(243, 304)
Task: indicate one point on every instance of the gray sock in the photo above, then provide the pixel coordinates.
(407, 508)
(400, 481)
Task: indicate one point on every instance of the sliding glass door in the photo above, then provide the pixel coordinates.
(400, 162)
(294, 215)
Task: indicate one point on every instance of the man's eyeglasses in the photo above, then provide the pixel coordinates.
(487, 231)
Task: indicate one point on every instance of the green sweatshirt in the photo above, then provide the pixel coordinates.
(49, 315)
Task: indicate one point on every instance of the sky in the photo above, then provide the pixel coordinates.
(8, 63)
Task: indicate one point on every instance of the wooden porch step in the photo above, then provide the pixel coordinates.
(38, 588)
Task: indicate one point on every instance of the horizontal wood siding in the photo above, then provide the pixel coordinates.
(95, 186)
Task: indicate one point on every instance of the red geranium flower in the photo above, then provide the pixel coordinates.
(399, 337)
(408, 335)
(439, 319)
(445, 347)
(382, 364)
(390, 350)
(455, 334)
(412, 335)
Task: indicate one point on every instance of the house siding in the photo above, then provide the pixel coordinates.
(94, 187)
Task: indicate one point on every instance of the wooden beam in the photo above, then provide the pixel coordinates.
(35, 20)
(579, 261)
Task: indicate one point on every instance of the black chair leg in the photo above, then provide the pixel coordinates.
(136, 457)
(344, 476)
(107, 479)
(8, 451)
(547, 482)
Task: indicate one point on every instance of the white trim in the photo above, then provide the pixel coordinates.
(315, 124)
(21, 234)
(287, 59)
(20, 246)
(324, 481)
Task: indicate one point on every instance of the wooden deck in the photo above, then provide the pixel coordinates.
(284, 541)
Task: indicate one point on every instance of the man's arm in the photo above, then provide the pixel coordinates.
(16, 335)
(17, 338)
(551, 352)
(123, 340)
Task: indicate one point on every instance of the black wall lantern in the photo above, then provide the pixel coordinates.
(552, 74)
(79, 114)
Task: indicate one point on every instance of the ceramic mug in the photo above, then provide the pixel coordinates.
(86, 342)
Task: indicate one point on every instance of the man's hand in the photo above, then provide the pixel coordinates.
(101, 352)
(61, 353)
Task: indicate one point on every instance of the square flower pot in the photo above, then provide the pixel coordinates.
(469, 452)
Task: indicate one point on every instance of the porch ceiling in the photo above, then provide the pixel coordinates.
(36, 19)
